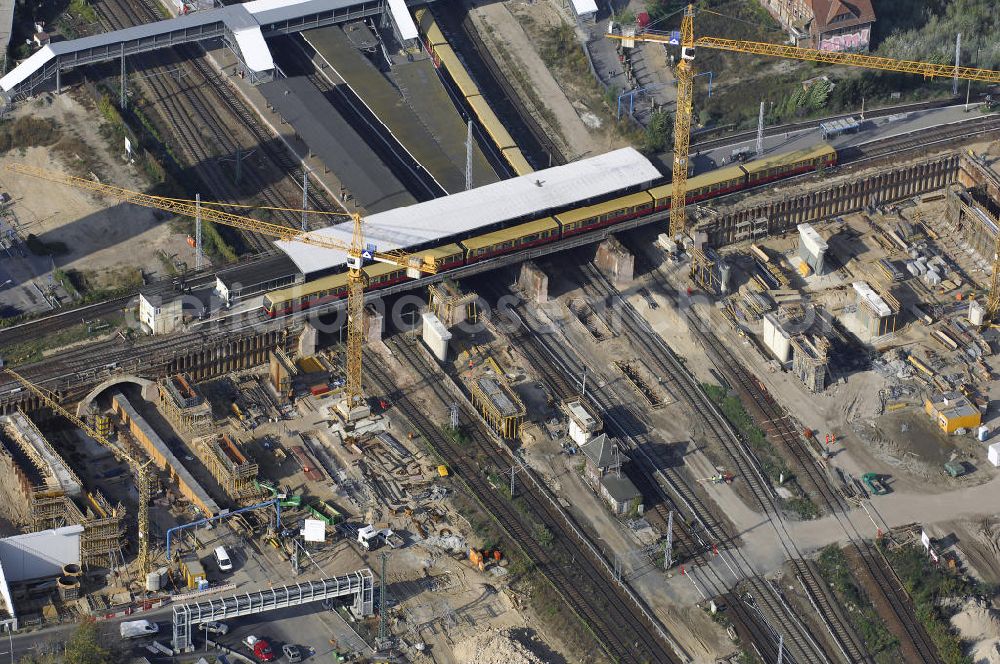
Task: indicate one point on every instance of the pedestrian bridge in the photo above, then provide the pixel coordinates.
(242, 27)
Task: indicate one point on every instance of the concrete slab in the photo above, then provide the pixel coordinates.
(338, 145)
(423, 91)
(337, 51)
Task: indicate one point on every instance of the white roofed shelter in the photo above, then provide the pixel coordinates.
(243, 28)
(585, 9)
(460, 215)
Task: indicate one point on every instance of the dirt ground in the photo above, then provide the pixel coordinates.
(101, 236)
(579, 129)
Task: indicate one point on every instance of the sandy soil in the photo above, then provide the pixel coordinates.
(100, 235)
(980, 624)
(495, 647)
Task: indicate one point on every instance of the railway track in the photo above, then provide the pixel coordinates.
(700, 536)
(33, 329)
(731, 139)
(623, 630)
(205, 135)
(453, 19)
(923, 139)
(781, 429)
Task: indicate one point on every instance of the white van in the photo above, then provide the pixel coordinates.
(133, 629)
(223, 560)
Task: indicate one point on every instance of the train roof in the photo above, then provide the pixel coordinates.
(430, 222)
(770, 161)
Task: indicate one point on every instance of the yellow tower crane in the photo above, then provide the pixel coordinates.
(143, 474)
(685, 76)
(356, 251)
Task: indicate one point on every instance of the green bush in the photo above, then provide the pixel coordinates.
(929, 585)
(659, 133)
(834, 568)
(82, 10)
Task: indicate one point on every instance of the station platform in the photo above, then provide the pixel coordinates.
(225, 62)
(425, 94)
(339, 49)
(340, 148)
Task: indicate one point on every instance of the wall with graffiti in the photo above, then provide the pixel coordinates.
(851, 41)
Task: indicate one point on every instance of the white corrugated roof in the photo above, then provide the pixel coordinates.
(535, 193)
(256, 54)
(401, 15)
(33, 63)
(584, 7)
(238, 18)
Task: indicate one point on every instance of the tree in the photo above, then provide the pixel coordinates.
(659, 133)
(83, 647)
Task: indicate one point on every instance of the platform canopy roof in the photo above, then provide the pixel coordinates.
(249, 23)
(529, 196)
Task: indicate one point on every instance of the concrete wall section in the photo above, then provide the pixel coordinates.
(162, 457)
(850, 196)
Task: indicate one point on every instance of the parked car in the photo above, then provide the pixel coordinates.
(133, 629)
(213, 627)
(223, 560)
(260, 648)
(292, 653)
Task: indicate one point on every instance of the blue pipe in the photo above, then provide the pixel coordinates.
(194, 524)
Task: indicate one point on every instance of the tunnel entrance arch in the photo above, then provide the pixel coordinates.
(147, 386)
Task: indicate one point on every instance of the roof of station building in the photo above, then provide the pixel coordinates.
(536, 194)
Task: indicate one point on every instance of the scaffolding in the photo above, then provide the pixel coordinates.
(235, 472)
(499, 405)
(184, 405)
(282, 372)
(450, 305)
(877, 309)
(709, 271)
(104, 534)
(45, 493)
(810, 360)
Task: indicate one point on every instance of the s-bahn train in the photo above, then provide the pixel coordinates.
(617, 209)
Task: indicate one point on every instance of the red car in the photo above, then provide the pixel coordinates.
(260, 647)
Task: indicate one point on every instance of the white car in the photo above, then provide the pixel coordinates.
(213, 627)
(134, 629)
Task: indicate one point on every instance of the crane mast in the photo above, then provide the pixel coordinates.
(682, 126)
(356, 251)
(685, 76)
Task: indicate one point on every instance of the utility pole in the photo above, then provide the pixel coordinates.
(760, 131)
(453, 413)
(668, 547)
(383, 626)
(958, 56)
(198, 256)
(583, 389)
(468, 158)
(305, 197)
(516, 466)
(123, 88)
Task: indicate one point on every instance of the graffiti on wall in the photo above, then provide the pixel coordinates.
(852, 41)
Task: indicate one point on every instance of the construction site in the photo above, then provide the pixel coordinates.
(422, 347)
